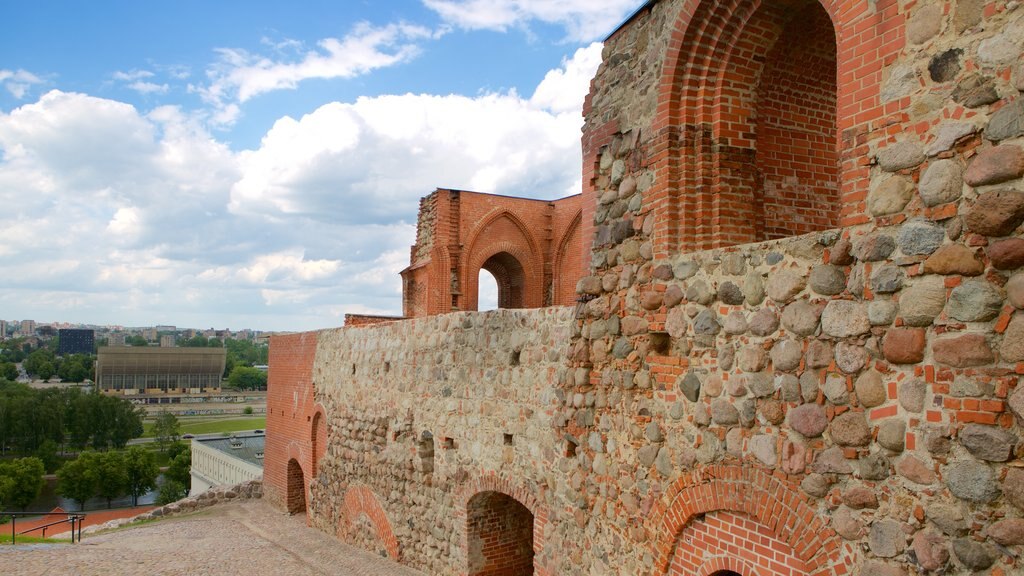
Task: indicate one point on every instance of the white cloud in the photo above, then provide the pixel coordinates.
(584, 20)
(136, 216)
(563, 89)
(133, 75)
(18, 82)
(240, 75)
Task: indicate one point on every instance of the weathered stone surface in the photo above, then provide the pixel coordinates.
(835, 389)
(772, 411)
(948, 518)
(841, 253)
(844, 318)
(673, 295)
(726, 357)
(996, 213)
(941, 182)
(920, 237)
(1013, 487)
(911, 394)
(808, 419)
(762, 447)
(987, 442)
(850, 429)
(886, 538)
(949, 132)
(892, 434)
(828, 280)
(685, 269)
(886, 279)
(815, 485)
(915, 470)
(924, 23)
(1008, 532)
(965, 386)
(783, 286)
(876, 568)
(847, 525)
(881, 312)
(764, 322)
(974, 301)
(698, 291)
(790, 386)
(735, 323)
(963, 351)
(954, 259)
(923, 301)
(730, 293)
(801, 317)
(786, 355)
(751, 358)
(973, 555)
(819, 354)
(870, 389)
(874, 247)
(589, 285)
(1007, 254)
(831, 461)
(874, 467)
(724, 413)
(1008, 122)
(850, 357)
(904, 345)
(706, 323)
(890, 197)
(1015, 290)
(633, 325)
(902, 81)
(972, 481)
(690, 384)
(809, 386)
(968, 14)
(994, 165)
(975, 90)
(931, 550)
(760, 384)
(676, 323)
(901, 156)
(860, 497)
(945, 66)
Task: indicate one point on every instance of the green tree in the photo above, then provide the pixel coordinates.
(166, 429)
(34, 362)
(136, 341)
(47, 454)
(245, 378)
(9, 371)
(45, 371)
(142, 472)
(24, 481)
(171, 491)
(180, 469)
(75, 368)
(77, 479)
(111, 475)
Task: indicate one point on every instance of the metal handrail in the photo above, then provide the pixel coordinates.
(73, 519)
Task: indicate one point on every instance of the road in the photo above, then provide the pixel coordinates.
(210, 436)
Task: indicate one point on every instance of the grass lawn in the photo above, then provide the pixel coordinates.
(212, 426)
(6, 538)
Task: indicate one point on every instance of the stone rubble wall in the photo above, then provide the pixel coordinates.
(874, 368)
(418, 414)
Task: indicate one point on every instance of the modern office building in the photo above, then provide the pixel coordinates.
(76, 341)
(134, 370)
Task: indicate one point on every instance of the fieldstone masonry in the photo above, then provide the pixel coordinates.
(797, 349)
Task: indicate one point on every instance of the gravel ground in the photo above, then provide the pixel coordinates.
(247, 538)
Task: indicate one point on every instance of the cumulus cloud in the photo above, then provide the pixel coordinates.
(18, 82)
(240, 75)
(584, 20)
(141, 217)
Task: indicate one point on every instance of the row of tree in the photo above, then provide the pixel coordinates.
(44, 364)
(67, 417)
(132, 472)
(21, 481)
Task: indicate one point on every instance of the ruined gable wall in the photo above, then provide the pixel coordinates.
(874, 368)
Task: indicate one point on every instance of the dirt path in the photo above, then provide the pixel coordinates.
(241, 538)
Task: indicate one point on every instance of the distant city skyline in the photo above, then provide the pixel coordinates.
(257, 164)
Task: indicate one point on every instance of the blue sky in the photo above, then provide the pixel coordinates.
(250, 164)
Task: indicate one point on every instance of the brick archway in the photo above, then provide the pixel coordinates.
(318, 439)
(734, 73)
(295, 499)
(361, 503)
(754, 499)
(568, 266)
(492, 483)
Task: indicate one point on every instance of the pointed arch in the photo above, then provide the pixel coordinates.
(518, 260)
(568, 263)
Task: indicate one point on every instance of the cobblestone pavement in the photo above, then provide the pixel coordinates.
(241, 538)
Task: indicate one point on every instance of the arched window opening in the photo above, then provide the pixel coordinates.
(509, 277)
(318, 437)
(500, 535)
(726, 573)
(487, 291)
(296, 498)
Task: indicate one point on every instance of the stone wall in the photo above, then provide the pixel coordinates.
(846, 401)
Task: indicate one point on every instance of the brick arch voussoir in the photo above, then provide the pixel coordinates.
(480, 253)
(319, 416)
(562, 257)
(731, 563)
(362, 501)
(492, 217)
(771, 501)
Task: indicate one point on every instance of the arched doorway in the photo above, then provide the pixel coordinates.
(318, 438)
(510, 278)
(499, 533)
(296, 500)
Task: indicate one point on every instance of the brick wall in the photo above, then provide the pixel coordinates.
(500, 536)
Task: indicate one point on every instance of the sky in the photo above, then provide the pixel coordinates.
(259, 164)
